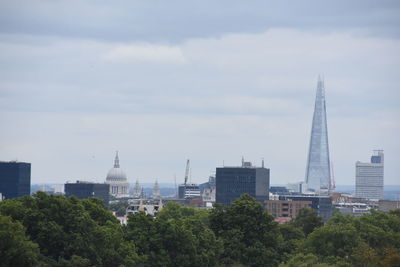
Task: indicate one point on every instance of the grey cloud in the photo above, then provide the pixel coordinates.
(176, 21)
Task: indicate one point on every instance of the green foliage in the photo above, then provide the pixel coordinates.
(15, 247)
(308, 220)
(119, 207)
(249, 234)
(333, 240)
(179, 236)
(44, 230)
(69, 229)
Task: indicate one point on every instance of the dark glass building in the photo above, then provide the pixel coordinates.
(82, 189)
(15, 179)
(232, 182)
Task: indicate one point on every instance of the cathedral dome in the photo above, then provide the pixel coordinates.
(116, 174)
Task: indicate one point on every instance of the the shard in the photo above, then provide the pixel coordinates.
(318, 175)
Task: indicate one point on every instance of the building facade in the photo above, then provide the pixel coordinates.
(232, 182)
(369, 177)
(116, 178)
(286, 208)
(82, 189)
(321, 204)
(15, 179)
(318, 172)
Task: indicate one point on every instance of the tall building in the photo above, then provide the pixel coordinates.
(82, 189)
(116, 178)
(318, 175)
(232, 182)
(15, 179)
(369, 177)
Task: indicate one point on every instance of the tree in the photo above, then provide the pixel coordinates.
(332, 240)
(249, 234)
(308, 220)
(119, 207)
(15, 247)
(179, 236)
(70, 229)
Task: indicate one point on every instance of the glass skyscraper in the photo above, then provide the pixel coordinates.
(318, 175)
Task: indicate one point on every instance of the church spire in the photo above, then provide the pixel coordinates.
(116, 161)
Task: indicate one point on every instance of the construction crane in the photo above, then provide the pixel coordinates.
(187, 171)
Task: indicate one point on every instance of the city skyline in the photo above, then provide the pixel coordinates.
(167, 82)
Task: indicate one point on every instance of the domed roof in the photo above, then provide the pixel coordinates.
(116, 174)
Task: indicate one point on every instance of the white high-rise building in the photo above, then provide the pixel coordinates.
(369, 177)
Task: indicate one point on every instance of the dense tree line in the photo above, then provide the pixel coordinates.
(48, 230)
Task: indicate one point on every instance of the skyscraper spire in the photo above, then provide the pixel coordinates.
(116, 161)
(318, 176)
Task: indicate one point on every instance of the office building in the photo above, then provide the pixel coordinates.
(15, 179)
(116, 178)
(188, 191)
(82, 189)
(318, 175)
(369, 177)
(232, 182)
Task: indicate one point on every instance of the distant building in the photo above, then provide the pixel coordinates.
(156, 191)
(299, 187)
(189, 191)
(15, 179)
(208, 190)
(137, 190)
(369, 177)
(286, 208)
(279, 190)
(148, 206)
(388, 205)
(82, 189)
(116, 178)
(232, 182)
(321, 204)
(353, 209)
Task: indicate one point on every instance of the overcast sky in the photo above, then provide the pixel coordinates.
(163, 81)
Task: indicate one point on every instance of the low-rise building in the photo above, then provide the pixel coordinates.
(388, 205)
(286, 208)
(82, 189)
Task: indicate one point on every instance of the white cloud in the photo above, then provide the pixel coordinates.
(145, 52)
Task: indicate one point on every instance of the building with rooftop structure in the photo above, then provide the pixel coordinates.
(116, 178)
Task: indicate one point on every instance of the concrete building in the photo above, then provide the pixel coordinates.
(232, 182)
(15, 179)
(286, 208)
(116, 178)
(369, 177)
(82, 189)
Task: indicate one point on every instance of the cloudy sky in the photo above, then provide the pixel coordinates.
(163, 81)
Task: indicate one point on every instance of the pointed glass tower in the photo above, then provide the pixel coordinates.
(318, 176)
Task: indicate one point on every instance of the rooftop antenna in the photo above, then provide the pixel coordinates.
(242, 161)
(262, 163)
